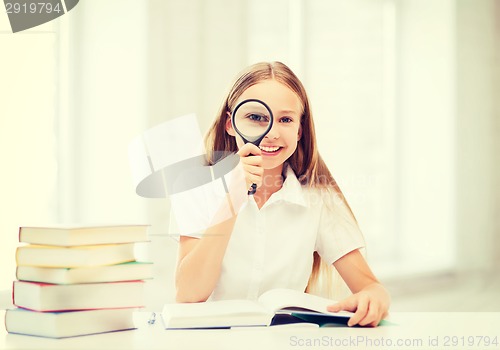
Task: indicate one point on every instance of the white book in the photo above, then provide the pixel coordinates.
(272, 305)
(65, 297)
(68, 236)
(129, 271)
(69, 323)
(78, 256)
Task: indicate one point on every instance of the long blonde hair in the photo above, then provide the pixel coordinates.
(306, 161)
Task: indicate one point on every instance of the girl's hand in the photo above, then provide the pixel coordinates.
(370, 306)
(251, 160)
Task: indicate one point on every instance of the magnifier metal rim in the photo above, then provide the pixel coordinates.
(254, 140)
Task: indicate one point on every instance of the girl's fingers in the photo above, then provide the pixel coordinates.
(251, 160)
(348, 304)
(367, 312)
(356, 303)
(361, 310)
(249, 149)
(372, 317)
(253, 169)
(253, 173)
(254, 180)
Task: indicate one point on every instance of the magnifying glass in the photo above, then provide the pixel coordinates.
(252, 119)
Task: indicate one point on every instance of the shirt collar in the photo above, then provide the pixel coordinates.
(291, 191)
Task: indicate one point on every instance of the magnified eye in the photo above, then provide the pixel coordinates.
(258, 117)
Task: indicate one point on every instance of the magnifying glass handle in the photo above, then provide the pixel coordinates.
(252, 189)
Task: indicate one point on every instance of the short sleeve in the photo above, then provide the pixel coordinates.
(338, 231)
(195, 210)
(198, 208)
(175, 232)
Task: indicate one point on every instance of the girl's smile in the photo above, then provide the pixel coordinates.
(270, 150)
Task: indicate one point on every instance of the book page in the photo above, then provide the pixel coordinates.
(213, 308)
(291, 300)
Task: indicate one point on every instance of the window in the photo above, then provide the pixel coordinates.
(28, 145)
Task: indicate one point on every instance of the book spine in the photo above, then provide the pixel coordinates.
(13, 293)
(5, 321)
(17, 256)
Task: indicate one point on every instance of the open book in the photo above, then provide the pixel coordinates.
(276, 306)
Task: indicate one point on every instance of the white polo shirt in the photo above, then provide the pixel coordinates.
(273, 247)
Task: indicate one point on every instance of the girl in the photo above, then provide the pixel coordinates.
(296, 222)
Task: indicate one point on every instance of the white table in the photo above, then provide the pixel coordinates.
(406, 331)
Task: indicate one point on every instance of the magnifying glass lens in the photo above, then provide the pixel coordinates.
(252, 119)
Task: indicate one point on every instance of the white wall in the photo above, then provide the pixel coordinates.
(478, 134)
(426, 132)
(108, 81)
(28, 163)
(349, 69)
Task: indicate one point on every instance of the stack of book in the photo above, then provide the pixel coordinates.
(77, 280)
